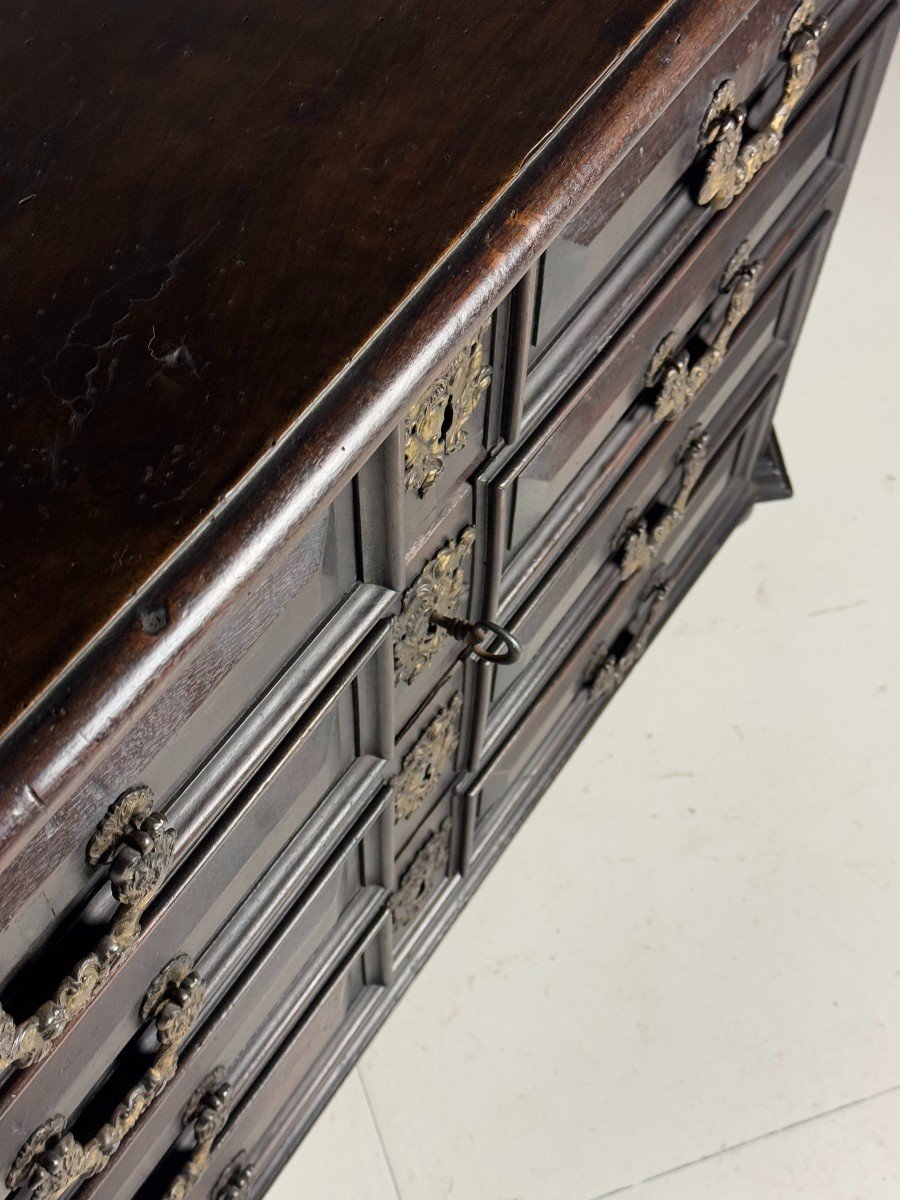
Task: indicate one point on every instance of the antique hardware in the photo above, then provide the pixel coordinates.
(138, 846)
(51, 1160)
(234, 1181)
(478, 637)
(440, 588)
(731, 163)
(606, 671)
(206, 1113)
(639, 543)
(435, 425)
(427, 759)
(422, 877)
(678, 380)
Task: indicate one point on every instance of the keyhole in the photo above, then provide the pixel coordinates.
(448, 419)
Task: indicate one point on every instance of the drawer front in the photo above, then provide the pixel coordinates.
(614, 252)
(247, 1012)
(635, 509)
(700, 317)
(609, 634)
(296, 806)
(283, 1102)
(297, 612)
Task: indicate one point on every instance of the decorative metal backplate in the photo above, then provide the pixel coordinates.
(436, 423)
(422, 877)
(606, 671)
(206, 1113)
(441, 588)
(731, 162)
(678, 380)
(639, 543)
(51, 1161)
(235, 1180)
(138, 846)
(425, 762)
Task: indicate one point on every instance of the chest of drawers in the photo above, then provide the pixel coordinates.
(376, 384)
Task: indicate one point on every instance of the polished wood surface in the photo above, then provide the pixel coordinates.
(208, 210)
(240, 247)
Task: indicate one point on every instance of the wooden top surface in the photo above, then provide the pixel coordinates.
(208, 209)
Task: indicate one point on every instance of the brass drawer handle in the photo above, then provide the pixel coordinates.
(606, 671)
(639, 543)
(138, 846)
(731, 163)
(206, 1113)
(235, 1180)
(676, 379)
(51, 1160)
(435, 425)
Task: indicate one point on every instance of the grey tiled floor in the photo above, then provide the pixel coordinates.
(682, 981)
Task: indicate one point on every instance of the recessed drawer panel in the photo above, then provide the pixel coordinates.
(609, 633)
(329, 753)
(616, 250)
(285, 1099)
(605, 557)
(246, 1010)
(728, 311)
(206, 706)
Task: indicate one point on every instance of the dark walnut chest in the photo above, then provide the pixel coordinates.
(375, 383)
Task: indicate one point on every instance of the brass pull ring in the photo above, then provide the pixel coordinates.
(51, 1160)
(639, 543)
(478, 636)
(138, 847)
(607, 671)
(731, 163)
(675, 377)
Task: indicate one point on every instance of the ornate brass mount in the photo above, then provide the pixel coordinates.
(425, 762)
(138, 846)
(51, 1161)
(431, 609)
(422, 877)
(435, 425)
(606, 671)
(441, 588)
(731, 162)
(206, 1113)
(234, 1181)
(678, 380)
(639, 543)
